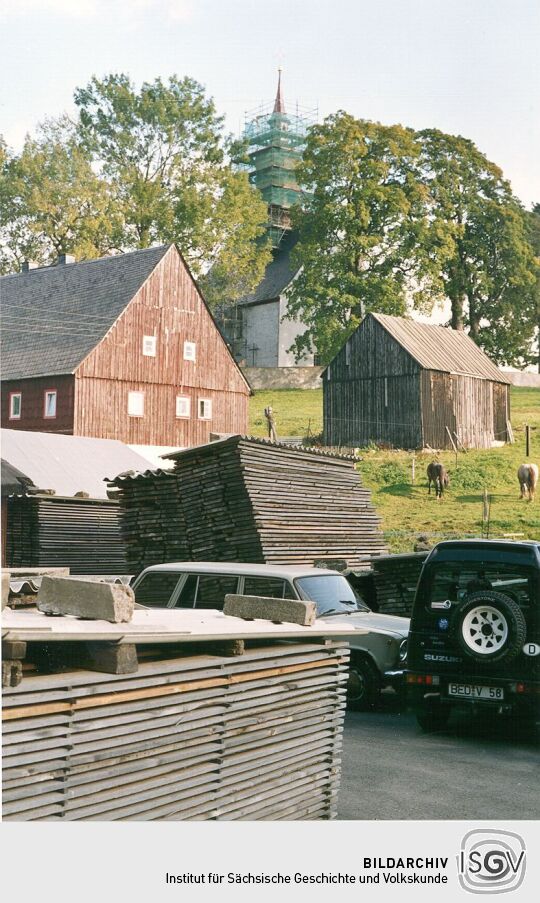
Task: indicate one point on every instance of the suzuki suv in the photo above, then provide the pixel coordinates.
(475, 630)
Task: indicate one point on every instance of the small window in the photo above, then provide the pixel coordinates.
(183, 406)
(156, 589)
(50, 403)
(136, 404)
(149, 345)
(190, 351)
(205, 409)
(272, 587)
(15, 404)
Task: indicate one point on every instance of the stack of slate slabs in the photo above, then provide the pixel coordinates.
(79, 533)
(249, 500)
(396, 578)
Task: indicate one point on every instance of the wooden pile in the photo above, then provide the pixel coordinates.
(82, 534)
(249, 500)
(188, 737)
(396, 578)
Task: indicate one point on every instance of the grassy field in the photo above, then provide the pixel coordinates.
(406, 509)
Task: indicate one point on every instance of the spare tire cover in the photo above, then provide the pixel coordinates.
(490, 627)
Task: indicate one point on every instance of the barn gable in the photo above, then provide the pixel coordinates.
(169, 306)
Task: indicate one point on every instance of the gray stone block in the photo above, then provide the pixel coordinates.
(5, 588)
(86, 599)
(290, 611)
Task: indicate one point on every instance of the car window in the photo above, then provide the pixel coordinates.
(456, 582)
(212, 589)
(272, 587)
(156, 589)
(186, 598)
(331, 592)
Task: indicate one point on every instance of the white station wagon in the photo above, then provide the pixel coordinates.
(377, 658)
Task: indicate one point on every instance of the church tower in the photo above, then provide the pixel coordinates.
(276, 140)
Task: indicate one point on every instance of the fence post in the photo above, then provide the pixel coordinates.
(527, 440)
(413, 468)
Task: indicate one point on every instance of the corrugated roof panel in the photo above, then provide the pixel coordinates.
(69, 464)
(441, 348)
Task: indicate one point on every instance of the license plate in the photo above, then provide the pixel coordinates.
(471, 691)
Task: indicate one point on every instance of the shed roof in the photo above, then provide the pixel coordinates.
(441, 348)
(68, 464)
(54, 316)
(277, 276)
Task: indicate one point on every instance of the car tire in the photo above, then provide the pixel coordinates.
(363, 685)
(490, 627)
(433, 716)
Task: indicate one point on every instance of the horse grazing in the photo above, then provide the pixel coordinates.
(528, 480)
(437, 475)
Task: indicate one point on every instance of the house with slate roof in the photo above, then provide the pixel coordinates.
(257, 325)
(123, 347)
(411, 385)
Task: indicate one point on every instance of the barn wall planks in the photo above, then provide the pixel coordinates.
(371, 392)
(102, 407)
(33, 404)
(169, 307)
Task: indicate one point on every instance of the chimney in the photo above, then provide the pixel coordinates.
(63, 259)
(28, 265)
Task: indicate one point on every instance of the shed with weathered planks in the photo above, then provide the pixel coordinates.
(410, 385)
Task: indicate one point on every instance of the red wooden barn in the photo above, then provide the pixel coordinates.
(122, 347)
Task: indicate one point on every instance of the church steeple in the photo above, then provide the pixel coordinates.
(279, 104)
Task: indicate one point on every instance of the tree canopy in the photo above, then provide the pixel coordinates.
(396, 219)
(138, 167)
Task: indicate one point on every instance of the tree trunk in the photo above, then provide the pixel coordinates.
(474, 319)
(457, 313)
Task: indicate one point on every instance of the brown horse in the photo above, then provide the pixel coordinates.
(528, 480)
(437, 475)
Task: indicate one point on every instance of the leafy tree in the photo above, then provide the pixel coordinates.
(52, 202)
(163, 151)
(488, 265)
(364, 237)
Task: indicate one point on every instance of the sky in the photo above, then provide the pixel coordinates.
(469, 67)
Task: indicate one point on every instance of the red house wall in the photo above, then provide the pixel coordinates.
(33, 404)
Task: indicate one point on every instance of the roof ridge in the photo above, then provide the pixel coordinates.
(121, 256)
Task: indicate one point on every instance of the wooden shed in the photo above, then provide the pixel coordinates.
(412, 385)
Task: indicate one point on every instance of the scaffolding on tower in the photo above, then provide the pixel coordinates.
(275, 143)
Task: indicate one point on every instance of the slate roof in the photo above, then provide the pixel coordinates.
(441, 348)
(277, 276)
(67, 464)
(52, 317)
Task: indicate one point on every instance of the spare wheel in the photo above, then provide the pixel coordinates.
(490, 627)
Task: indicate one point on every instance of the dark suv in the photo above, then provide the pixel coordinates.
(475, 630)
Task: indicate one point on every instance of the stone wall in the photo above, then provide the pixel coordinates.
(283, 377)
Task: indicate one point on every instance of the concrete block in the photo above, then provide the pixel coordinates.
(291, 611)
(5, 588)
(11, 673)
(86, 599)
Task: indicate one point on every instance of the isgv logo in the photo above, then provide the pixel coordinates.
(491, 862)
